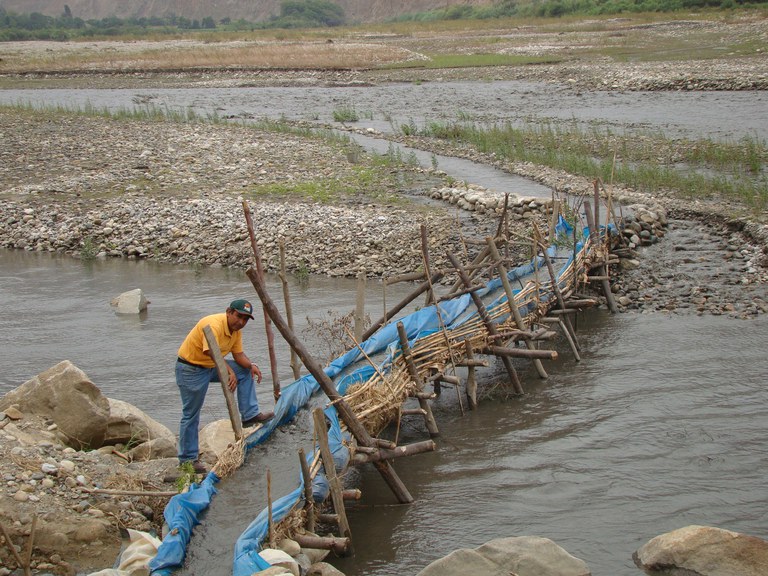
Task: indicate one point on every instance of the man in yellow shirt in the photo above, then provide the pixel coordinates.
(195, 369)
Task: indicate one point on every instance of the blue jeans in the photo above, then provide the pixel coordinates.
(193, 385)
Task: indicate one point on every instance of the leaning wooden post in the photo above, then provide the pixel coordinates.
(429, 418)
(270, 521)
(360, 307)
(309, 502)
(345, 412)
(602, 270)
(425, 257)
(420, 289)
(489, 326)
(221, 368)
(514, 310)
(330, 473)
(267, 324)
(295, 364)
(471, 379)
(560, 300)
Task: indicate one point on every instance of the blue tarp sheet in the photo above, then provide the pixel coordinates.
(182, 510)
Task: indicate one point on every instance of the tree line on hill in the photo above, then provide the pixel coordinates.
(324, 13)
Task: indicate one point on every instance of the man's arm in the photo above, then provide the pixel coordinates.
(245, 362)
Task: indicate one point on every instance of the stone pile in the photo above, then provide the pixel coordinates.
(478, 199)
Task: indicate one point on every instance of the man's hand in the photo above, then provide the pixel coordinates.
(232, 379)
(256, 373)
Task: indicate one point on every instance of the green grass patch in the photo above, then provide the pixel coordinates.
(474, 61)
(648, 162)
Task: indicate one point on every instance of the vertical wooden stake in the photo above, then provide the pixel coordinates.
(221, 368)
(489, 326)
(594, 234)
(513, 309)
(267, 323)
(309, 503)
(425, 257)
(270, 523)
(295, 364)
(334, 483)
(429, 418)
(471, 378)
(360, 307)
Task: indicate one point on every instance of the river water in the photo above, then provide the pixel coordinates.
(661, 425)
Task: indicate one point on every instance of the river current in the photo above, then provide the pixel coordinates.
(661, 425)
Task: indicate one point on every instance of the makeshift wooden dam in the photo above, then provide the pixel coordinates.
(399, 365)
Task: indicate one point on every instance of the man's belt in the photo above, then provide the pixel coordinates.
(188, 363)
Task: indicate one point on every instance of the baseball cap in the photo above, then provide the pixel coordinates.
(242, 306)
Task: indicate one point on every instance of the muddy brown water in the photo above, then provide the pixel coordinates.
(661, 425)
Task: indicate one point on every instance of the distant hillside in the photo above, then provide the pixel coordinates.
(251, 10)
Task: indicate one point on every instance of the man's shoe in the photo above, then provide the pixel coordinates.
(260, 418)
(198, 466)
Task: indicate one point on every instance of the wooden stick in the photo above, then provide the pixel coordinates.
(309, 503)
(267, 323)
(425, 258)
(12, 548)
(489, 326)
(221, 368)
(512, 304)
(420, 289)
(360, 306)
(429, 418)
(471, 378)
(295, 364)
(337, 545)
(330, 473)
(602, 271)
(384, 454)
(270, 521)
(519, 352)
(31, 541)
(112, 492)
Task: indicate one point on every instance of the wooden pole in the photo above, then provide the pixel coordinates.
(429, 418)
(420, 289)
(345, 412)
(337, 545)
(519, 352)
(270, 521)
(295, 364)
(425, 257)
(360, 306)
(560, 301)
(309, 502)
(221, 368)
(602, 270)
(12, 548)
(330, 473)
(471, 378)
(513, 309)
(267, 323)
(489, 326)
(386, 454)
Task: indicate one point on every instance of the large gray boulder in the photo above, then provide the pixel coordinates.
(131, 302)
(131, 426)
(65, 395)
(523, 556)
(703, 551)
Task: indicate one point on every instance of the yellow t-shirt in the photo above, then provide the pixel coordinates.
(194, 346)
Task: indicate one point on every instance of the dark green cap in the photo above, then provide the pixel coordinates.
(242, 306)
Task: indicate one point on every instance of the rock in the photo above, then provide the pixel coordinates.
(290, 547)
(216, 436)
(282, 559)
(704, 551)
(64, 394)
(13, 413)
(131, 426)
(523, 556)
(131, 302)
(323, 569)
(157, 448)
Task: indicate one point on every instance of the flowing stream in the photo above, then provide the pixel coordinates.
(661, 425)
